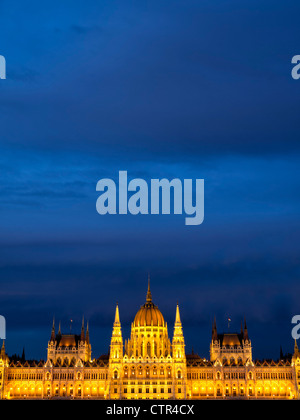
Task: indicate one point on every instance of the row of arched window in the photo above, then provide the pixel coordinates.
(155, 371)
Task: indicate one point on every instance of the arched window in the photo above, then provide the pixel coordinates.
(179, 374)
(148, 349)
(115, 374)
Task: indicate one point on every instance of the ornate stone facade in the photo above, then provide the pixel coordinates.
(149, 366)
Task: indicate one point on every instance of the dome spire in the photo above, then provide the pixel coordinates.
(149, 296)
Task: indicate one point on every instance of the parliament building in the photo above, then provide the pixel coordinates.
(149, 365)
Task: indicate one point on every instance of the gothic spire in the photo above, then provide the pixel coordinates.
(3, 348)
(177, 325)
(117, 316)
(214, 331)
(149, 296)
(52, 338)
(246, 337)
(178, 339)
(87, 336)
(116, 343)
(296, 347)
(23, 355)
(82, 337)
(177, 317)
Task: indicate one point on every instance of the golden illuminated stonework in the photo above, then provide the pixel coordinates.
(150, 366)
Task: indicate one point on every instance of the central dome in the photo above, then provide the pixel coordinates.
(149, 314)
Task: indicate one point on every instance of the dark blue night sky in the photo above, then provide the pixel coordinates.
(174, 89)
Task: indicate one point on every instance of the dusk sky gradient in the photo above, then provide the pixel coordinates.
(162, 89)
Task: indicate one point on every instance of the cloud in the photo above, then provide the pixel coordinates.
(162, 84)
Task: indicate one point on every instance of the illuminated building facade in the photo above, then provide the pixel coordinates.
(150, 366)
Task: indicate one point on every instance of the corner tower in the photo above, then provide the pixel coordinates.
(231, 347)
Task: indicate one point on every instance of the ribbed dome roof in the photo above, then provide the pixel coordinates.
(149, 314)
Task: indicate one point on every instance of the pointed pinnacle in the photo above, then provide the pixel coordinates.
(117, 315)
(149, 296)
(177, 318)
